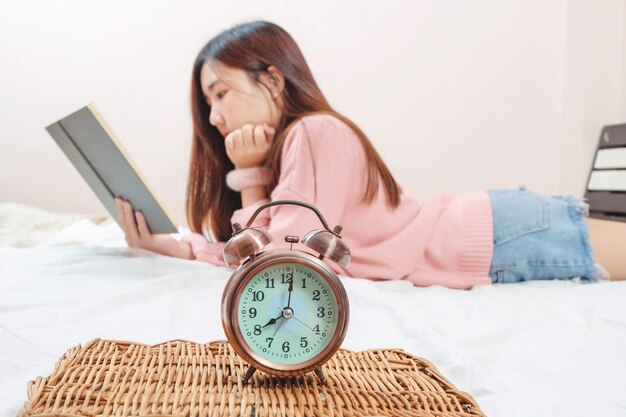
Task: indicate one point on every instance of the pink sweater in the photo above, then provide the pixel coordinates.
(445, 239)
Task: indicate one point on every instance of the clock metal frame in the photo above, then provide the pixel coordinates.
(230, 305)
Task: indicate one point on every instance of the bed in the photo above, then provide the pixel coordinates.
(551, 348)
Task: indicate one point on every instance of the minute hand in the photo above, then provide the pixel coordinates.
(290, 290)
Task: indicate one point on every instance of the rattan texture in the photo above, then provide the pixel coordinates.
(181, 378)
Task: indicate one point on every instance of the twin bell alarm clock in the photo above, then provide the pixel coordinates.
(284, 311)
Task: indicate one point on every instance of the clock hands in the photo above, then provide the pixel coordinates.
(276, 331)
(286, 313)
(303, 323)
(290, 290)
(273, 321)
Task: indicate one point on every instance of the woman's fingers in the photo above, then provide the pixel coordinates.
(233, 146)
(249, 145)
(120, 211)
(142, 226)
(121, 215)
(260, 139)
(136, 230)
(247, 136)
(228, 141)
(134, 225)
(233, 140)
(129, 225)
(269, 132)
(229, 144)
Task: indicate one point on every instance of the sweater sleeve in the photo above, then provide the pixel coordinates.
(205, 251)
(242, 215)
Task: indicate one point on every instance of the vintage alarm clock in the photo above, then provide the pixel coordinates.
(284, 311)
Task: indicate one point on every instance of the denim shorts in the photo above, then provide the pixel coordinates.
(540, 237)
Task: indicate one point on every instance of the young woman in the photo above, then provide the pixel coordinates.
(264, 131)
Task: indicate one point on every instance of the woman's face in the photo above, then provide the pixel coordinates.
(237, 99)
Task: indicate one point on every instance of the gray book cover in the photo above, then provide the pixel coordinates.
(100, 158)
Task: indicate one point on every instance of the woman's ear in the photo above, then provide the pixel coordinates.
(274, 80)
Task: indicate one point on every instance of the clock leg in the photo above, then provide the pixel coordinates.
(251, 370)
(320, 375)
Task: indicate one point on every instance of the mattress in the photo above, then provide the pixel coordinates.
(548, 348)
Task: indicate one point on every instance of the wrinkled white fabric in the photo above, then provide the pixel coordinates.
(22, 225)
(534, 349)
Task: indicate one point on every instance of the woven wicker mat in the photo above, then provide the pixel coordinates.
(180, 378)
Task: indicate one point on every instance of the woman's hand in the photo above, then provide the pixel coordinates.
(247, 147)
(138, 235)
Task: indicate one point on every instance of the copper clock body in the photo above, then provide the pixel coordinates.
(266, 267)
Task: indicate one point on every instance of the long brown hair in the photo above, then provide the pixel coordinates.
(253, 47)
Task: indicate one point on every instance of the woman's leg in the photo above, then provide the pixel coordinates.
(608, 241)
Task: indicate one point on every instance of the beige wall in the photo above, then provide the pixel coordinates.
(593, 82)
(623, 64)
(456, 95)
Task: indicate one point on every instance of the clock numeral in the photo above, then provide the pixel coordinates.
(252, 312)
(258, 296)
(270, 340)
(286, 347)
(320, 312)
(303, 342)
(257, 329)
(287, 278)
(269, 283)
(303, 282)
(316, 329)
(316, 295)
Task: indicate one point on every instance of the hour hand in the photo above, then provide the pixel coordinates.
(273, 321)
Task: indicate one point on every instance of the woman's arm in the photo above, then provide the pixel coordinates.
(251, 195)
(247, 148)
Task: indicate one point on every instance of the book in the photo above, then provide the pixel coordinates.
(100, 158)
(606, 183)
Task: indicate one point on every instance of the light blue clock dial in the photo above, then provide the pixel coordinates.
(287, 313)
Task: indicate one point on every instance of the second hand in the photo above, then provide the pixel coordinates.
(300, 321)
(278, 328)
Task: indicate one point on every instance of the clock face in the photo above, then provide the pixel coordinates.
(287, 313)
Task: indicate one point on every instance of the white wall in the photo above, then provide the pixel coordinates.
(593, 83)
(456, 95)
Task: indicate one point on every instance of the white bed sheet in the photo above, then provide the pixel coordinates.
(531, 349)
